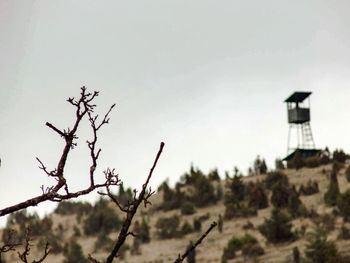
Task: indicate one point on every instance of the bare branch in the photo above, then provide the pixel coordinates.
(132, 208)
(83, 107)
(9, 243)
(191, 248)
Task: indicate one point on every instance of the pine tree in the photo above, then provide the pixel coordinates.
(277, 228)
(331, 196)
(321, 250)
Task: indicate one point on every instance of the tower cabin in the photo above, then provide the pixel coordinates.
(298, 111)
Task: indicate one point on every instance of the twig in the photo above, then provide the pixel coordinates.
(191, 248)
(131, 211)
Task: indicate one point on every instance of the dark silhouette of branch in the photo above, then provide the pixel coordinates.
(9, 243)
(191, 248)
(83, 107)
(131, 209)
(23, 256)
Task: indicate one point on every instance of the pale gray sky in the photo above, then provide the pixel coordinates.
(206, 77)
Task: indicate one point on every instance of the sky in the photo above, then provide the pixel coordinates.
(206, 77)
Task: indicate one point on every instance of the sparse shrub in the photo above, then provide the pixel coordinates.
(197, 225)
(220, 223)
(191, 258)
(74, 253)
(260, 166)
(294, 203)
(101, 219)
(296, 255)
(213, 175)
(248, 225)
(103, 242)
(331, 196)
(252, 250)
(144, 234)
(76, 231)
(310, 188)
(236, 191)
(344, 233)
(257, 197)
(55, 242)
(204, 217)
(219, 192)
(135, 248)
(343, 204)
(188, 208)
(321, 250)
(274, 178)
(340, 156)
(167, 227)
(171, 199)
(248, 243)
(279, 164)
(326, 222)
(280, 194)
(186, 228)
(347, 173)
(277, 228)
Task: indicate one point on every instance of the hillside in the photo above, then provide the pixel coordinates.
(211, 250)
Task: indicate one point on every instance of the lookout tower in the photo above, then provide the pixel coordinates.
(298, 108)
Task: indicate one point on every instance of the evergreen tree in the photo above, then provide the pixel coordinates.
(280, 194)
(321, 250)
(220, 223)
(343, 204)
(74, 253)
(331, 196)
(144, 234)
(257, 198)
(277, 228)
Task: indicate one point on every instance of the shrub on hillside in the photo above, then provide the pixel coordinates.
(248, 242)
(343, 204)
(188, 208)
(277, 228)
(74, 253)
(102, 219)
(340, 156)
(280, 194)
(186, 228)
(279, 164)
(310, 188)
(321, 250)
(274, 178)
(344, 233)
(347, 173)
(213, 175)
(294, 205)
(197, 224)
(167, 227)
(331, 196)
(257, 197)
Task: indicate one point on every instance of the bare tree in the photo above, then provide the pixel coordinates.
(84, 108)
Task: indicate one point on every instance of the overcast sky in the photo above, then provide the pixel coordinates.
(206, 77)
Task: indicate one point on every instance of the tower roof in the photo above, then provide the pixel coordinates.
(298, 96)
